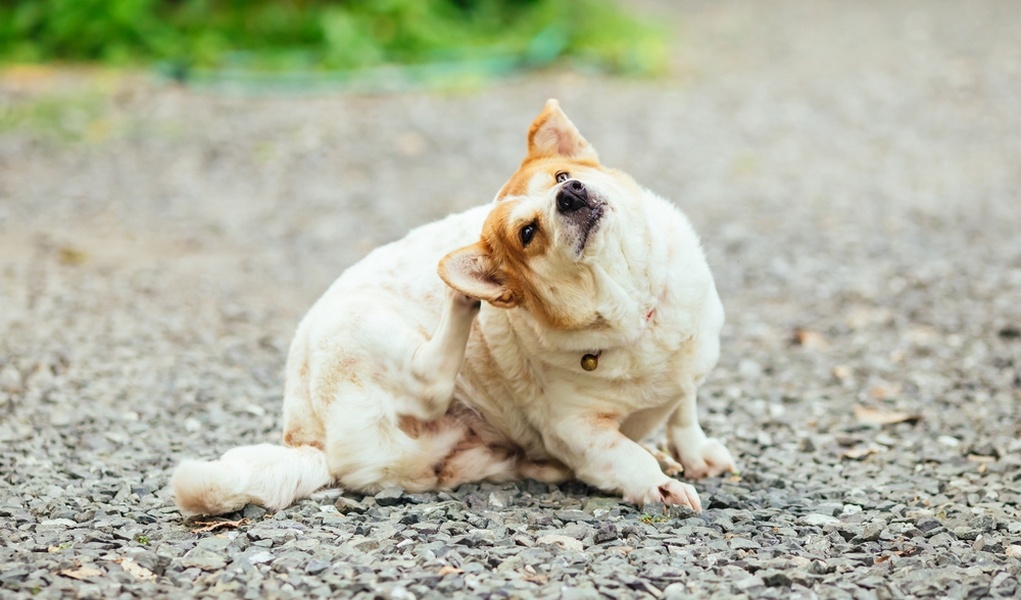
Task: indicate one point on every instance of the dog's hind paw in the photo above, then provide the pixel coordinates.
(711, 459)
(667, 464)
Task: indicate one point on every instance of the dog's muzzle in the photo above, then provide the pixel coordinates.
(580, 210)
(572, 197)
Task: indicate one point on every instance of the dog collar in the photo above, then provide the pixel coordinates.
(590, 362)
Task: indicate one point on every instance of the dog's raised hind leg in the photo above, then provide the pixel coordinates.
(436, 361)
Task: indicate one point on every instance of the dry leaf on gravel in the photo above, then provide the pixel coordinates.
(807, 338)
(71, 256)
(135, 569)
(859, 453)
(567, 543)
(202, 526)
(81, 573)
(885, 391)
(878, 416)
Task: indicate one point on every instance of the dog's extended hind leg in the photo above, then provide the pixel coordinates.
(436, 361)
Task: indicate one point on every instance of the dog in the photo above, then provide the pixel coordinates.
(581, 320)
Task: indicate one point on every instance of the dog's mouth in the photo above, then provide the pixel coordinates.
(581, 211)
(595, 217)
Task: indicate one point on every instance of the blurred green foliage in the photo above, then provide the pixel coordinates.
(317, 34)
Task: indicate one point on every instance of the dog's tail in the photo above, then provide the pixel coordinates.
(267, 475)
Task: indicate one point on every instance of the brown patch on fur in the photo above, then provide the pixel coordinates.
(344, 372)
(416, 428)
(447, 474)
(604, 420)
(477, 434)
(297, 437)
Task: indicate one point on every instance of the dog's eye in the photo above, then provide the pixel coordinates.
(528, 232)
(562, 176)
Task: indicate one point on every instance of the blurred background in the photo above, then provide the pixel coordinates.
(303, 43)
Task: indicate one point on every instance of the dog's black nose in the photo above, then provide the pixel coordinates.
(572, 197)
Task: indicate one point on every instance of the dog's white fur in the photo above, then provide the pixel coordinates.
(395, 379)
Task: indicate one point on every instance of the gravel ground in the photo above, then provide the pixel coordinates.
(854, 169)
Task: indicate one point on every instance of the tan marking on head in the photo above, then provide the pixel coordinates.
(510, 259)
(510, 263)
(545, 166)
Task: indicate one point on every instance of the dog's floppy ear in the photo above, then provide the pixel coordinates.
(553, 134)
(470, 271)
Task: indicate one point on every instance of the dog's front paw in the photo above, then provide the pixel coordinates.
(709, 459)
(671, 493)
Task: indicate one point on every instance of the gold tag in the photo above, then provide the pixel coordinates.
(589, 362)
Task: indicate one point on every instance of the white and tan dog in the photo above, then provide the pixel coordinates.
(599, 320)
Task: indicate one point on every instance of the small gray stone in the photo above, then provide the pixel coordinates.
(253, 512)
(346, 505)
(928, 526)
(391, 496)
(574, 516)
(607, 532)
(205, 559)
(259, 557)
(214, 543)
(743, 544)
(871, 532)
(775, 579)
(965, 532)
(601, 503)
(749, 583)
(316, 566)
(56, 524)
(819, 520)
(563, 541)
(10, 575)
(818, 567)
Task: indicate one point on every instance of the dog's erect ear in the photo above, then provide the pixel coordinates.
(470, 271)
(553, 134)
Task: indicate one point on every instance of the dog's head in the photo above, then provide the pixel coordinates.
(555, 231)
